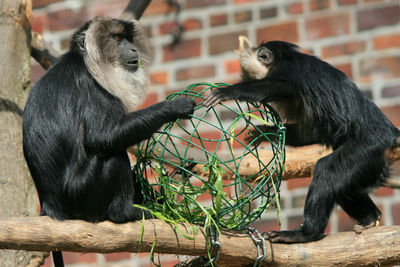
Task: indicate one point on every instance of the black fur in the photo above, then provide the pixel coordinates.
(75, 136)
(323, 106)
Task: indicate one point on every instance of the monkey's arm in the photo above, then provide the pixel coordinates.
(292, 137)
(265, 90)
(137, 126)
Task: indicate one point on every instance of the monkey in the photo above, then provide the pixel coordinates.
(319, 104)
(82, 115)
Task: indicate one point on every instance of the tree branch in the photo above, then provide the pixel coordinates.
(135, 9)
(299, 163)
(373, 247)
(43, 52)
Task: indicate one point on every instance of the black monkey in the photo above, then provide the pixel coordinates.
(320, 105)
(80, 118)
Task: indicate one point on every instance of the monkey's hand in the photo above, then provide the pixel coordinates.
(181, 108)
(255, 137)
(217, 96)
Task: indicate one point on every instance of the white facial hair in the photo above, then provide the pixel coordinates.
(129, 87)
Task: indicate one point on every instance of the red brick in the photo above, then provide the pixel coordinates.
(232, 66)
(66, 19)
(192, 24)
(156, 7)
(265, 225)
(159, 78)
(112, 9)
(347, 2)
(117, 256)
(286, 31)
(381, 68)
(38, 23)
(151, 99)
(268, 13)
(211, 145)
(376, 17)
(195, 72)
(343, 49)
(328, 26)
(203, 3)
(72, 257)
(245, 1)
(43, 3)
(345, 222)
(48, 262)
(297, 183)
(294, 222)
(243, 16)
(238, 141)
(387, 41)
(391, 91)
(295, 8)
(346, 69)
(393, 113)
(36, 72)
(188, 25)
(224, 42)
(167, 27)
(383, 192)
(319, 5)
(328, 228)
(184, 49)
(396, 213)
(218, 20)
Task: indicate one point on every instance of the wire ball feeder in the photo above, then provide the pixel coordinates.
(204, 171)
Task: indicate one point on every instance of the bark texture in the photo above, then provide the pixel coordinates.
(378, 246)
(17, 192)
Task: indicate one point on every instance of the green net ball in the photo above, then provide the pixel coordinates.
(197, 170)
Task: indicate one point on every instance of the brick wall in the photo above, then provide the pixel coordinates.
(360, 37)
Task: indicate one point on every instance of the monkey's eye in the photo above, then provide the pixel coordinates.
(117, 37)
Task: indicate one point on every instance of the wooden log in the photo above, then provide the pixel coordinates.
(378, 246)
(299, 162)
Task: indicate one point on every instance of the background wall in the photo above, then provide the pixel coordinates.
(360, 37)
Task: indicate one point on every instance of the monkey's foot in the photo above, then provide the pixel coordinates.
(358, 228)
(295, 236)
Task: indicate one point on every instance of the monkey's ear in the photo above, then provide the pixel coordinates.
(80, 41)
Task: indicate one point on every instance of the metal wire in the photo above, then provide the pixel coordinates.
(179, 193)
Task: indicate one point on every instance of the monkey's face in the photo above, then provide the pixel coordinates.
(119, 43)
(117, 55)
(255, 62)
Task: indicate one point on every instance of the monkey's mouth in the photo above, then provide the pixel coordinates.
(133, 65)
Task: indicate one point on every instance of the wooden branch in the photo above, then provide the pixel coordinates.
(43, 52)
(135, 9)
(299, 163)
(378, 246)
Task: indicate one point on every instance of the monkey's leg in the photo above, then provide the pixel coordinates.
(319, 204)
(361, 208)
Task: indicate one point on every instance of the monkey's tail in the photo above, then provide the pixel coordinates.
(58, 259)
